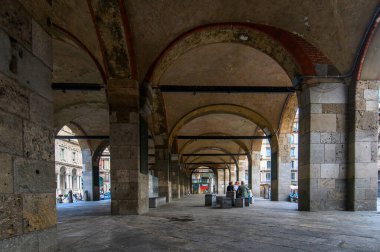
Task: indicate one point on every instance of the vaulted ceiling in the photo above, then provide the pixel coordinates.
(273, 41)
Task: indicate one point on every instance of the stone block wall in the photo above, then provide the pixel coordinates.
(130, 188)
(222, 181)
(27, 184)
(174, 168)
(280, 184)
(323, 147)
(256, 173)
(363, 141)
(162, 166)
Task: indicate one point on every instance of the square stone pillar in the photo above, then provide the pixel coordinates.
(222, 186)
(27, 180)
(363, 146)
(322, 147)
(162, 166)
(181, 184)
(130, 181)
(256, 173)
(233, 173)
(130, 188)
(90, 180)
(174, 168)
(280, 182)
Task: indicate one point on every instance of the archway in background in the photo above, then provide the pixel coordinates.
(68, 165)
(203, 180)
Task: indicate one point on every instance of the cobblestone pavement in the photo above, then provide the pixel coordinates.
(186, 225)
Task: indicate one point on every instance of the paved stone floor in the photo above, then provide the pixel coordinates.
(186, 225)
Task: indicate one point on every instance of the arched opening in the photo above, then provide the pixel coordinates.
(105, 175)
(203, 180)
(225, 55)
(68, 166)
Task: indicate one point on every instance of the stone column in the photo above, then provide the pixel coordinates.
(233, 173)
(221, 182)
(130, 183)
(242, 168)
(174, 168)
(182, 184)
(95, 182)
(280, 182)
(67, 183)
(27, 180)
(163, 170)
(71, 182)
(363, 138)
(58, 181)
(78, 182)
(322, 147)
(256, 173)
(187, 184)
(88, 183)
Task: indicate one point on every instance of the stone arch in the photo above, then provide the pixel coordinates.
(251, 115)
(293, 53)
(62, 32)
(62, 178)
(95, 168)
(362, 174)
(369, 63)
(244, 112)
(281, 181)
(214, 171)
(288, 114)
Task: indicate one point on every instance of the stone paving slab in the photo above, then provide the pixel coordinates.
(187, 225)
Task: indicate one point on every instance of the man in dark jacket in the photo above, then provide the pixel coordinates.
(230, 187)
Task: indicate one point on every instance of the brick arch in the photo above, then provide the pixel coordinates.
(288, 114)
(370, 53)
(294, 54)
(99, 150)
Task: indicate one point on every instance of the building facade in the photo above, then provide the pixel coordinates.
(68, 164)
(266, 162)
(104, 172)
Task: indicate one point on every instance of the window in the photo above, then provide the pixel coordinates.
(292, 163)
(268, 152)
(267, 176)
(295, 127)
(292, 152)
(292, 139)
(269, 165)
(74, 157)
(293, 176)
(62, 154)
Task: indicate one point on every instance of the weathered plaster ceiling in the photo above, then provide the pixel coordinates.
(225, 123)
(225, 64)
(75, 17)
(156, 23)
(334, 27)
(72, 64)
